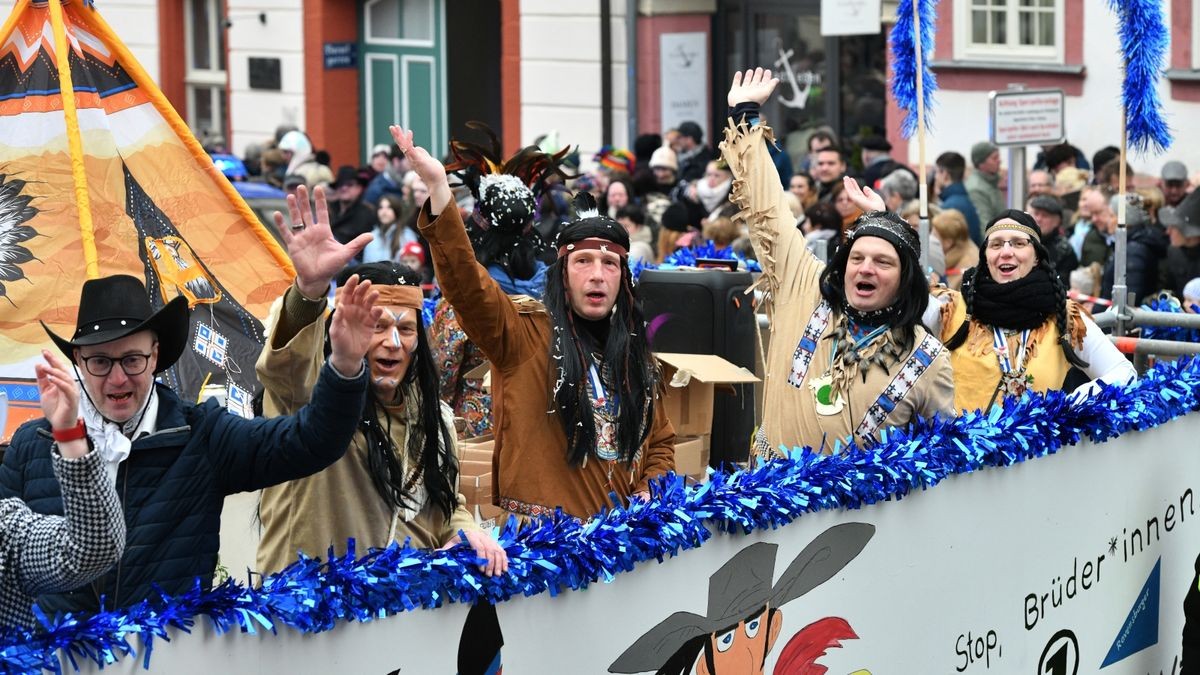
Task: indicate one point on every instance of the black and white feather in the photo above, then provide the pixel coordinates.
(16, 211)
(585, 206)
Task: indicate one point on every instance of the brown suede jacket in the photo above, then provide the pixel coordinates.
(530, 465)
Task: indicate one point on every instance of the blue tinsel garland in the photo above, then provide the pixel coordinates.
(559, 553)
(687, 257)
(904, 62)
(1176, 333)
(1145, 37)
(429, 308)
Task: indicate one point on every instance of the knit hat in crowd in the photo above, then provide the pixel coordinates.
(1048, 203)
(1191, 291)
(615, 159)
(981, 151)
(664, 157)
(414, 249)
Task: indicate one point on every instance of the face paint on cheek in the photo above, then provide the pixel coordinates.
(386, 385)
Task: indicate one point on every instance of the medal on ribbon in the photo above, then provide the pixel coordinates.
(828, 402)
(1014, 380)
(1016, 383)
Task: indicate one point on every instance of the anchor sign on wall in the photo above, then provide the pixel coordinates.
(801, 83)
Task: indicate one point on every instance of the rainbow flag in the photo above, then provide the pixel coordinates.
(99, 175)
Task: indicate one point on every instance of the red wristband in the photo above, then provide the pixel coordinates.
(75, 433)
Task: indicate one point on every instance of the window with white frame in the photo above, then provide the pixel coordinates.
(400, 22)
(1195, 37)
(204, 31)
(1009, 30)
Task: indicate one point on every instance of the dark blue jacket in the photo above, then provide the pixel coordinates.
(1146, 245)
(174, 482)
(955, 197)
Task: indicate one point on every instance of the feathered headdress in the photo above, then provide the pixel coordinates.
(506, 193)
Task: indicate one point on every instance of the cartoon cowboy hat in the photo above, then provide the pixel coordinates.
(743, 585)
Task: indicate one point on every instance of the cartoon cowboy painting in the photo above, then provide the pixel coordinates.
(744, 615)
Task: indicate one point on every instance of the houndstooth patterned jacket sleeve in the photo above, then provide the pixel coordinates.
(56, 553)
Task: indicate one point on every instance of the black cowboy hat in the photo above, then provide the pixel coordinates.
(742, 585)
(113, 307)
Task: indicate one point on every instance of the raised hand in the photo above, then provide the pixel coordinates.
(755, 85)
(431, 171)
(317, 256)
(864, 198)
(353, 326)
(58, 391)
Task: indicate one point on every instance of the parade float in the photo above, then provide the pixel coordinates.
(1052, 534)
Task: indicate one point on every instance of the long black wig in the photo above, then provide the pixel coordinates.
(430, 439)
(629, 366)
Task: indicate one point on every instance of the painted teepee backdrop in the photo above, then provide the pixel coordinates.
(98, 176)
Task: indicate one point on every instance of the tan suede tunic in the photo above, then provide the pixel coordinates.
(976, 368)
(327, 508)
(790, 280)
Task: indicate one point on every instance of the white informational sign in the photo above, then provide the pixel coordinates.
(1033, 117)
(1064, 565)
(850, 17)
(683, 69)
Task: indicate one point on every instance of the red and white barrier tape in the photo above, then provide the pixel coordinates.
(1080, 297)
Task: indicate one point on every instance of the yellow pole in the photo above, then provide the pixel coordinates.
(87, 234)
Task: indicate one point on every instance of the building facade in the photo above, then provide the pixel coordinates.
(344, 69)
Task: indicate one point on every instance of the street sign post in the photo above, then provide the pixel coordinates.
(1019, 117)
(1027, 117)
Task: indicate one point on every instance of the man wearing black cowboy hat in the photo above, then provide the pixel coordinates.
(172, 462)
(744, 618)
(349, 215)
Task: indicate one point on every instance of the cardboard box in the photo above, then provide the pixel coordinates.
(478, 449)
(476, 455)
(484, 442)
(475, 489)
(486, 512)
(691, 456)
(691, 382)
(471, 468)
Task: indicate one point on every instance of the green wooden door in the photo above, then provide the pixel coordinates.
(403, 68)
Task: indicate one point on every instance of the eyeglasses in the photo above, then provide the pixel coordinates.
(101, 366)
(1019, 244)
